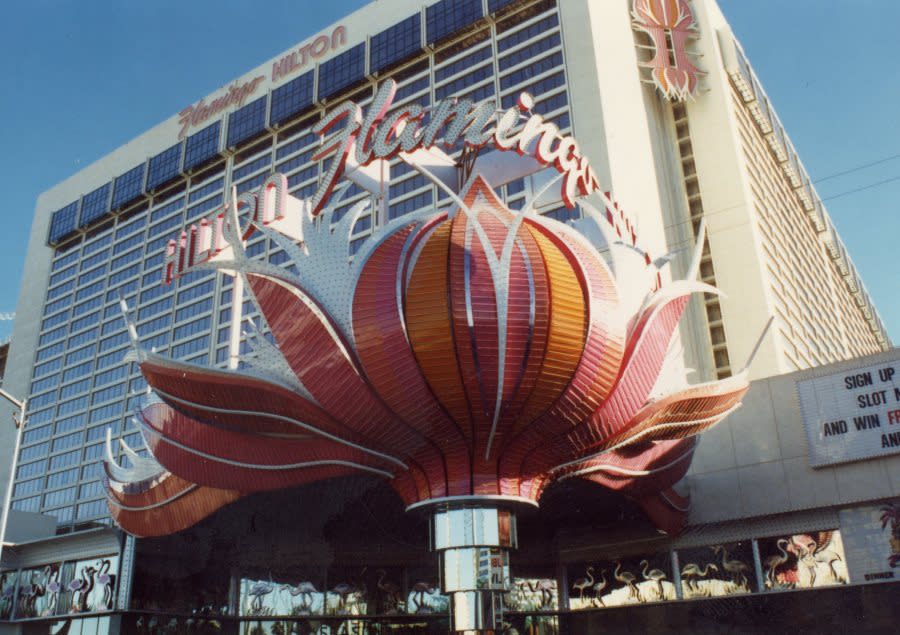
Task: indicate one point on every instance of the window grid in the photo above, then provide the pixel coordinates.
(342, 71)
(128, 186)
(246, 122)
(396, 43)
(291, 98)
(164, 167)
(202, 146)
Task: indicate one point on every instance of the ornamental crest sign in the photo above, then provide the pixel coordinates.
(670, 25)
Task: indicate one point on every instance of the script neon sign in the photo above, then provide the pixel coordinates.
(378, 136)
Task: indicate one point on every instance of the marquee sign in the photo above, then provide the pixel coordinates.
(470, 356)
(852, 415)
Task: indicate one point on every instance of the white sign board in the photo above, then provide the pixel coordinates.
(852, 415)
(872, 542)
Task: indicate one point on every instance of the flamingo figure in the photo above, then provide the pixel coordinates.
(80, 588)
(420, 590)
(105, 580)
(305, 591)
(691, 572)
(654, 575)
(53, 589)
(627, 578)
(736, 568)
(258, 591)
(546, 587)
(599, 587)
(391, 590)
(773, 563)
(583, 583)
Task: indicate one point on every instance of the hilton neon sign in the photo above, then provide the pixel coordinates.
(376, 136)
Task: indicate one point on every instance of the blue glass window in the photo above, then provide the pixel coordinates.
(456, 86)
(303, 175)
(298, 143)
(94, 205)
(301, 159)
(395, 43)
(531, 70)
(450, 16)
(409, 205)
(249, 168)
(64, 261)
(538, 88)
(532, 30)
(532, 50)
(250, 184)
(342, 71)
(164, 211)
(412, 88)
(191, 346)
(464, 63)
(496, 5)
(63, 222)
(202, 146)
(246, 122)
(292, 98)
(129, 186)
(205, 190)
(164, 167)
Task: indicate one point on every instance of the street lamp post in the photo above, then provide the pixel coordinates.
(20, 427)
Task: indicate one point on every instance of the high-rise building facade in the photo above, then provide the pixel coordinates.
(100, 237)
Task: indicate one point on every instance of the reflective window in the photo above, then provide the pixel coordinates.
(527, 33)
(107, 394)
(532, 50)
(411, 204)
(202, 146)
(246, 122)
(541, 86)
(164, 167)
(449, 16)
(249, 168)
(251, 183)
(63, 222)
(128, 186)
(496, 5)
(69, 423)
(297, 144)
(395, 43)
(457, 85)
(464, 63)
(64, 460)
(803, 561)
(47, 367)
(342, 71)
(412, 88)
(50, 351)
(291, 98)
(531, 70)
(94, 205)
(201, 192)
(189, 347)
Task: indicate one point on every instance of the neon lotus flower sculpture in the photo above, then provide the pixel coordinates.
(469, 357)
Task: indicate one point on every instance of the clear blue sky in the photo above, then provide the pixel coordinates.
(82, 78)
